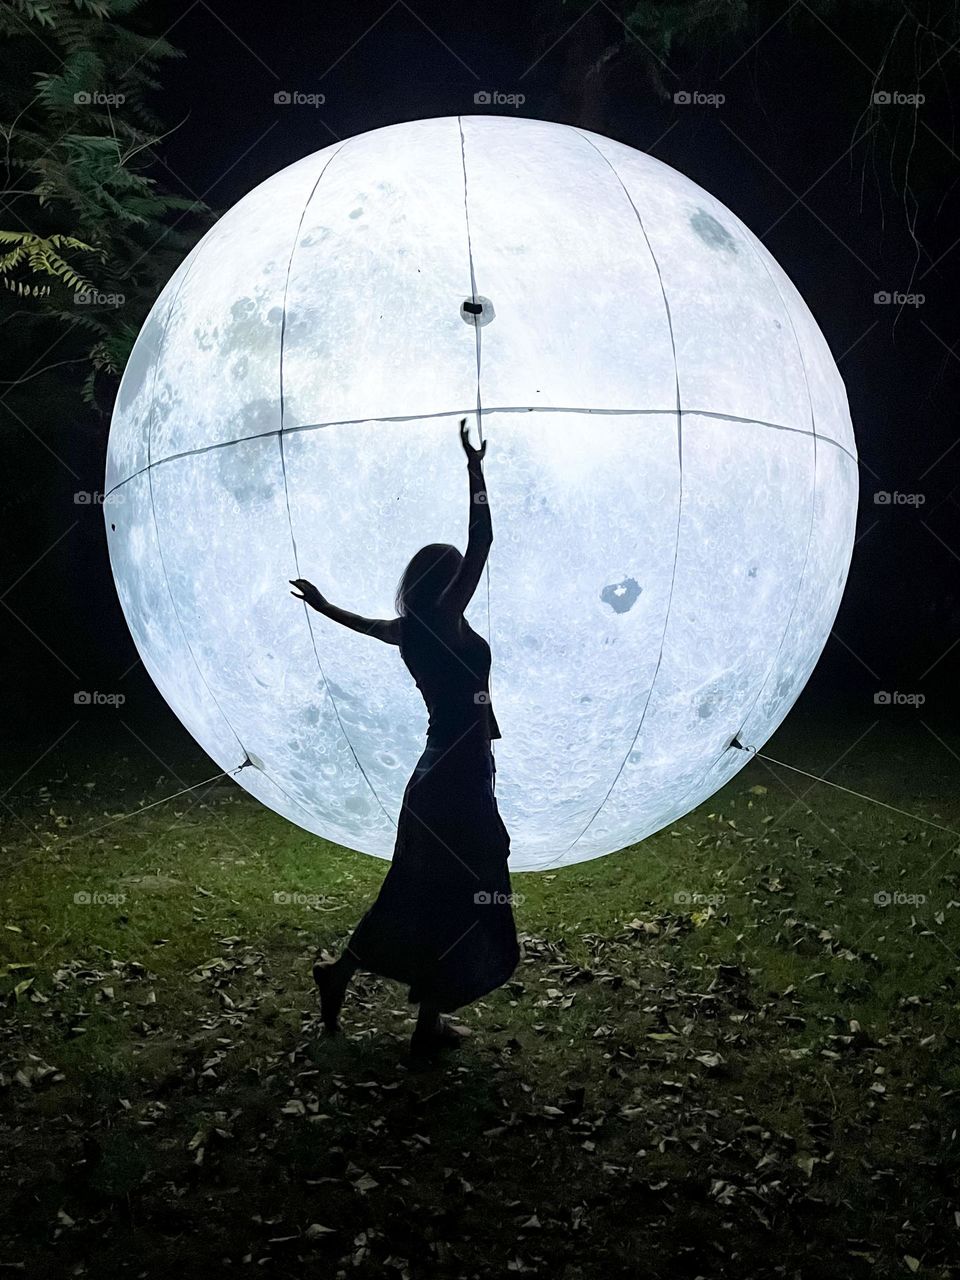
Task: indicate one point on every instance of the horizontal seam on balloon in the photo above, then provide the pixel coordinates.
(423, 417)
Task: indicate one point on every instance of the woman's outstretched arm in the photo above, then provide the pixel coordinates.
(459, 593)
(387, 630)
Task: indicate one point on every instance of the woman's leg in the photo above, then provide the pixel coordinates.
(427, 1034)
(432, 1034)
(333, 978)
(428, 1019)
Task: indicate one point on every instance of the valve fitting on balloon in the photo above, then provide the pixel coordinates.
(477, 311)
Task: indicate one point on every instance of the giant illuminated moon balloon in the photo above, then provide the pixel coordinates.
(671, 467)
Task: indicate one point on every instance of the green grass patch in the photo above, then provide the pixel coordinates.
(720, 1055)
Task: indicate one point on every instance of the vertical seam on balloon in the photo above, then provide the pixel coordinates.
(153, 504)
(286, 281)
(676, 545)
(479, 341)
(813, 496)
(286, 794)
(763, 683)
(806, 554)
(286, 490)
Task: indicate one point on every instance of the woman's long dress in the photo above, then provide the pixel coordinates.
(443, 920)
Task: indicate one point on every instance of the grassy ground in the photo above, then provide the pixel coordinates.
(720, 1056)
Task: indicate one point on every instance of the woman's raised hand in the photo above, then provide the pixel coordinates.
(307, 591)
(474, 456)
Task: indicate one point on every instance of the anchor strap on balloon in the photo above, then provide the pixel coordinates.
(916, 817)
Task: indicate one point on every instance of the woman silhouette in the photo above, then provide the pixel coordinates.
(443, 921)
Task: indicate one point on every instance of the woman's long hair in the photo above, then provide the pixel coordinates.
(429, 572)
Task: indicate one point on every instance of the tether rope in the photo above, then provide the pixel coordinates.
(226, 773)
(904, 813)
(761, 755)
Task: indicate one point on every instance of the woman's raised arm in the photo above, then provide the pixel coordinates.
(459, 593)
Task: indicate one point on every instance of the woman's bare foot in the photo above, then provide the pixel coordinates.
(332, 990)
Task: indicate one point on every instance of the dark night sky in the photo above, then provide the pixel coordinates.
(778, 153)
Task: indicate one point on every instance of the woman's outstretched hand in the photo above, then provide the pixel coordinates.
(474, 456)
(307, 591)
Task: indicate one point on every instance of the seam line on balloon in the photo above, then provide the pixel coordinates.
(478, 331)
(676, 546)
(488, 412)
(813, 497)
(311, 814)
(806, 554)
(183, 631)
(194, 253)
(286, 491)
(773, 663)
(153, 504)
